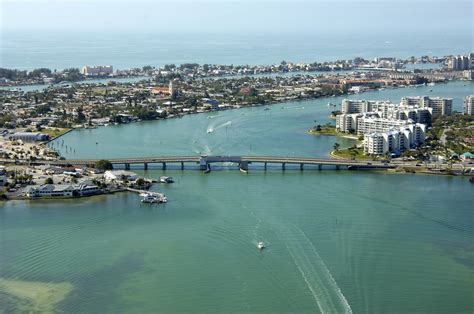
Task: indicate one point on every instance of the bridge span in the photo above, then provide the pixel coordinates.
(243, 162)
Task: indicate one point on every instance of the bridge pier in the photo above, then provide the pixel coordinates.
(127, 166)
(320, 167)
(182, 165)
(164, 165)
(265, 166)
(338, 167)
(283, 166)
(145, 165)
(301, 167)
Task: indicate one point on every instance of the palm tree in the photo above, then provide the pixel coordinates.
(336, 146)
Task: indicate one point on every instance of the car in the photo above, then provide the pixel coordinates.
(369, 163)
(12, 190)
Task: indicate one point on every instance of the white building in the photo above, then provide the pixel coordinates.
(97, 70)
(112, 175)
(354, 106)
(458, 63)
(367, 125)
(394, 141)
(28, 136)
(439, 106)
(468, 106)
(62, 190)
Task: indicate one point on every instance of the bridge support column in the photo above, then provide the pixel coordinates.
(320, 167)
(338, 167)
(127, 166)
(164, 165)
(182, 165)
(301, 167)
(265, 166)
(283, 166)
(145, 165)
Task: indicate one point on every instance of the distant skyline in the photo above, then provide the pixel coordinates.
(262, 16)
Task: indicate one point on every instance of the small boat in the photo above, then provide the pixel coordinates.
(243, 170)
(260, 245)
(154, 198)
(266, 108)
(151, 199)
(165, 179)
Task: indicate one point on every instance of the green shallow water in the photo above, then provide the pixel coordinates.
(336, 242)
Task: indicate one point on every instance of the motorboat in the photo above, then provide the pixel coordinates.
(150, 198)
(153, 198)
(261, 245)
(165, 179)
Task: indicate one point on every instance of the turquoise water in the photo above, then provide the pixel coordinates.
(280, 131)
(337, 241)
(36, 87)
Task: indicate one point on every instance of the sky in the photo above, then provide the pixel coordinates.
(237, 16)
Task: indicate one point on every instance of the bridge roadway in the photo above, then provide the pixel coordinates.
(243, 161)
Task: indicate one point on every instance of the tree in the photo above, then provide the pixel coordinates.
(49, 181)
(353, 154)
(104, 165)
(336, 146)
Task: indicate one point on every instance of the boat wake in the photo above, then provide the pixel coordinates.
(212, 128)
(318, 278)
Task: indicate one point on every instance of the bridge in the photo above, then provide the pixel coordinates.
(243, 162)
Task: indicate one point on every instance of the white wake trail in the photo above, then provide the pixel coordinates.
(318, 279)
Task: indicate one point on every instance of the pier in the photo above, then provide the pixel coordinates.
(243, 162)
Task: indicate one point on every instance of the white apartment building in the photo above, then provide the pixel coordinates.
(367, 125)
(347, 123)
(354, 106)
(439, 106)
(468, 106)
(97, 70)
(394, 141)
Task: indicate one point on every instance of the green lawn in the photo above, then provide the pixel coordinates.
(325, 130)
(357, 155)
(54, 132)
